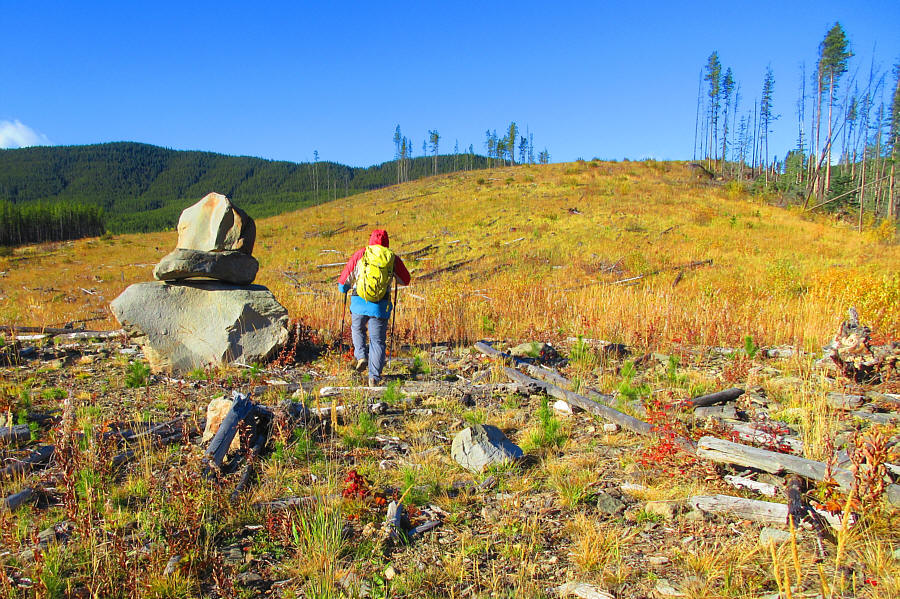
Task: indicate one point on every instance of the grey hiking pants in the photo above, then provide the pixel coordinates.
(376, 349)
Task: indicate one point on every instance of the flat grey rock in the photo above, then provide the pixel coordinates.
(189, 325)
(481, 445)
(229, 266)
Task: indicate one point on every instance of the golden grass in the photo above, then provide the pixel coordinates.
(545, 244)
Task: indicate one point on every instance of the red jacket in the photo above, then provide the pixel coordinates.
(357, 304)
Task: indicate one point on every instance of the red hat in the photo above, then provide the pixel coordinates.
(379, 237)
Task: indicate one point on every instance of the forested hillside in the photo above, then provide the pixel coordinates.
(144, 188)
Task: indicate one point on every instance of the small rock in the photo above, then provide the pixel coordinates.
(610, 427)
(531, 349)
(695, 516)
(354, 585)
(172, 565)
(666, 509)
(390, 573)
(658, 560)
(481, 445)
(565, 409)
(583, 590)
(249, 578)
(769, 534)
(607, 504)
(665, 588)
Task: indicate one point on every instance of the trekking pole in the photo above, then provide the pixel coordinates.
(343, 315)
(394, 321)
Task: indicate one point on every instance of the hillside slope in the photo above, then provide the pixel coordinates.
(526, 251)
(144, 188)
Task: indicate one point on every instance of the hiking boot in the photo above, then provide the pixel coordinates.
(373, 382)
(361, 365)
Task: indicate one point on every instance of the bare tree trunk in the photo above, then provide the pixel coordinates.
(828, 160)
(862, 190)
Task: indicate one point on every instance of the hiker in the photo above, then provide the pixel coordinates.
(368, 275)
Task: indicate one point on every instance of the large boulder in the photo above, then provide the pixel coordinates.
(229, 266)
(479, 446)
(214, 224)
(184, 326)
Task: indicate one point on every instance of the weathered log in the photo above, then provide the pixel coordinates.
(15, 434)
(718, 397)
(624, 420)
(551, 376)
(263, 428)
(394, 522)
(742, 482)
(16, 500)
(218, 446)
(293, 502)
(741, 507)
(39, 457)
(763, 434)
(727, 452)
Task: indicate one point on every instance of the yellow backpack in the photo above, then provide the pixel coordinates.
(375, 271)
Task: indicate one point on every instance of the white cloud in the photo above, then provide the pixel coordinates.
(15, 134)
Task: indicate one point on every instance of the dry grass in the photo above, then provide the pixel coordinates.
(544, 242)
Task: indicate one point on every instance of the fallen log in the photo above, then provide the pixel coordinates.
(549, 375)
(263, 428)
(718, 397)
(293, 502)
(16, 500)
(218, 446)
(741, 507)
(804, 514)
(14, 434)
(769, 435)
(624, 420)
(38, 457)
(742, 482)
(570, 397)
(689, 265)
(727, 452)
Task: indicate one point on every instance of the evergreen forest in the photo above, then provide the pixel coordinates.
(133, 187)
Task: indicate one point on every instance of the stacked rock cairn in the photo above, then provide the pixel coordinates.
(203, 309)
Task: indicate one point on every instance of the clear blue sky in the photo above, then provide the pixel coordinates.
(281, 79)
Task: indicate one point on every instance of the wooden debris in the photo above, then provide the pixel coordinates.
(39, 457)
(719, 450)
(220, 443)
(770, 434)
(17, 500)
(742, 482)
(719, 397)
(14, 434)
(852, 352)
(682, 267)
(747, 509)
